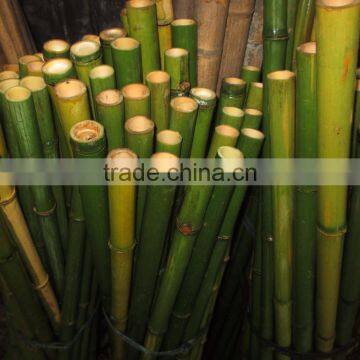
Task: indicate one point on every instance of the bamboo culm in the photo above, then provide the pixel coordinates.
(136, 100)
(107, 36)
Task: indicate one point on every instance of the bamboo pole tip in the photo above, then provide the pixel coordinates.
(27, 58)
(139, 125)
(70, 89)
(56, 46)
(125, 43)
(84, 48)
(91, 37)
(233, 111)
(281, 75)
(169, 137)
(87, 131)
(101, 72)
(336, 3)
(35, 66)
(176, 52)
(257, 84)
(135, 91)
(33, 83)
(227, 130)
(165, 162)
(184, 104)
(158, 77)
(203, 93)
(252, 133)
(232, 158)
(8, 74)
(17, 94)
(139, 3)
(57, 66)
(234, 81)
(308, 48)
(7, 84)
(110, 97)
(251, 68)
(122, 159)
(183, 22)
(254, 112)
(111, 34)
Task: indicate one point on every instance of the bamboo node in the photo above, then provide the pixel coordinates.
(123, 250)
(10, 199)
(43, 284)
(223, 237)
(186, 229)
(338, 233)
(45, 213)
(181, 316)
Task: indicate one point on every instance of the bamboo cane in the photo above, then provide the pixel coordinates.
(126, 56)
(122, 238)
(232, 116)
(141, 15)
(250, 74)
(3, 150)
(136, 100)
(158, 83)
(252, 119)
(34, 68)
(184, 9)
(236, 37)
(165, 41)
(224, 135)
(23, 61)
(107, 36)
(206, 100)
(124, 20)
(183, 112)
(254, 99)
(210, 39)
(168, 141)
(335, 47)
(91, 37)
(184, 33)
(292, 6)
(110, 110)
(56, 48)
(356, 123)
(8, 74)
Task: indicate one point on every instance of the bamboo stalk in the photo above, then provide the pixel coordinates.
(141, 15)
(183, 112)
(107, 36)
(224, 135)
(23, 61)
(91, 37)
(356, 123)
(335, 47)
(254, 99)
(252, 119)
(210, 39)
(158, 83)
(206, 100)
(164, 11)
(184, 33)
(124, 20)
(168, 141)
(250, 74)
(184, 9)
(110, 110)
(8, 74)
(136, 100)
(34, 68)
(292, 6)
(56, 48)
(126, 56)
(232, 116)
(165, 41)
(165, 15)
(250, 142)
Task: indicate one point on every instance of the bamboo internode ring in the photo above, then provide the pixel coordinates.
(45, 213)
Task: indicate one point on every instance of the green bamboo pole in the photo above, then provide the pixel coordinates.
(139, 138)
(224, 135)
(250, 142)
(292, 6)
(177, 66)
(252, 119)
(23, 61)
(159, 84)
(303, 25)
(88, 141)
(305, 200)
(22, 116)
(8, 74)
(168, 141)
(282, 122)
(250, 74)
(142, 22)
(3, 150)
(122, 201)
(206, 100)
(56, 48)
(124, 19)
(184, 33)
(126, 54)
(232, 93)
(157, 215)
(183, 112)
(335, 47)
(165, 41)
(110, 111)
(200, 257)
(107, 36)
(254, 98)
(355, 127)
(136, 100)
(91, 37)
(231, 116)
(34, 68)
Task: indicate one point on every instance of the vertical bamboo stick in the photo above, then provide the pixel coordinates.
(107, 36)
(136, 100)
(292, 6)
(168, 141)
(56, 48)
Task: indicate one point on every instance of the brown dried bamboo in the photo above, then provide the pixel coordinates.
(184, 9)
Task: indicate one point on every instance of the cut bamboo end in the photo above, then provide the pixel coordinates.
(308, 48)
(24, 60)
(125, 44)
(184, 104)
(258, 84)
(233, 158)
(8, 74)
(122, 160)
(57, 46)
(85, 51)
(91, 37)
(254, 112)
(183, 22)
(109, 97)
(11, 67)
(203, 93)
(101, 72)
(169, 137)
(140, 3)
(176, 52)
(227, 130)
(158, 77)
(165, 162)
(251, 68)
(233, 111)
(87, 131)
(33, 83)
(70, 89)
(7, 84)
(108, 35)
(253, 133)
(337, 3)
(234, 81)
(281, 75)
(40, 56)
(139, 125)
(57, 66)
(35, 66)
(135, 91)
(17, 94)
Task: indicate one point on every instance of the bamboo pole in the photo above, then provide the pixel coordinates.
(91, 37)
(124, 20)
(210, 39)
(236, 37)
(165, 41)
(136, 100)
(224, 135)
(168, 141)
(8, 74)
(23, 61)
(254, 99)
(184, 9)
(34, 68)
(252, 119)
(232, 116)
(107, 36)
(126, 56)
(335, 47)
(250, 74)
(356, 123)
(56, 48)
(292, 6)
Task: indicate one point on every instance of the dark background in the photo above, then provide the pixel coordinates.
(70, 19)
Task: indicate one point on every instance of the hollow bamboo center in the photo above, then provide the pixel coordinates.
(33, 83)
(56, 45)
(8, 74)
(136, 91)
(232, 158)
(203, 93)
(87, 131)
(169, 137)
(35, 66)
(252, 133)
(122, 160)
(139, 125)
(70, 88)
(165, 162)
(57, 66)
(183, 22)
(112, 33)
(234, 81)
(281, 75)
(184, 104)
(251, 68)
(101, 72)
(17, 94)
(308, 48)
(254, 112)
(125, 43)
(7, 84)
(85, 48)
(176, 52)
(228, 131)
(91, 37)
(158, 77)
(139, 3)
(233, 111)
(109, 97)
(27, 58)
(337, 3)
